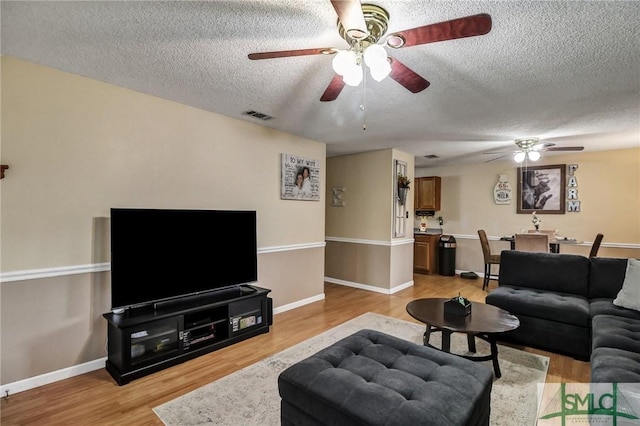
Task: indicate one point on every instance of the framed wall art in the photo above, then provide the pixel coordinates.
(541, 189)
(300, 178)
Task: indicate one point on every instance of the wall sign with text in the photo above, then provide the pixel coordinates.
(300, 178)
(502, 191)
(573, 203)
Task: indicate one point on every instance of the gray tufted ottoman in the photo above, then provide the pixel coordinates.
(372, 378)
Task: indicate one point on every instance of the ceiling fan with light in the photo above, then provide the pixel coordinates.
(530, 149)
(362, 26)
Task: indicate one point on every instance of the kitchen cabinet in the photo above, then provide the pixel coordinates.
(425, 254)
(427, 193)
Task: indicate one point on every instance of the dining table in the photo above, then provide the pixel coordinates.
(554, 243)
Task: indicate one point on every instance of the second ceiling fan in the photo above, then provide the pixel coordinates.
(362, 26)
(530, 149)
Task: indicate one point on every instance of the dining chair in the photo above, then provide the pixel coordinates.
(553, 246)
(489, 258)
(535, 242)
(596, 245)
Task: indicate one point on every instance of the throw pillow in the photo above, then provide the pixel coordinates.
(629, 295)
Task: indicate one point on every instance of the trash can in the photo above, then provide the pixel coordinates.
(447, 255)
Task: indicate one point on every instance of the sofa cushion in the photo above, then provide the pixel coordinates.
(629, 295)
(606, 276)
(606, 307)
(564, 273)
(550, 335)
(616, 332)
(560, 307)
(612, 365)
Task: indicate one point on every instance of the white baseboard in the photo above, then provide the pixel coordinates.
(369, 287)
(54, 376)
(299, 303)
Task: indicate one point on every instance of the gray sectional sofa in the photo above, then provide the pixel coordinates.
(565, 305)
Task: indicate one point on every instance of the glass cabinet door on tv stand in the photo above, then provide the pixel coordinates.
(153, 340)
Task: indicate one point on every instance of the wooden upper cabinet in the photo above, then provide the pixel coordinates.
(427, 193)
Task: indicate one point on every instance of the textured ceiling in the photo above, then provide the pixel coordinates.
(567, 72)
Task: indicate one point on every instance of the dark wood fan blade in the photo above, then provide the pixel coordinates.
(497, 152)
(407, 77)
(565, 148)
(333, 90)
(448, 30)
(494, 159)
(287, 53)
(542, 146)
(351, 17)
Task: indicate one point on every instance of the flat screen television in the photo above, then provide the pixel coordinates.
(163, 254)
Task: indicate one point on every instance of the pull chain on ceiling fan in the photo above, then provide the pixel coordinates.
(362, 26)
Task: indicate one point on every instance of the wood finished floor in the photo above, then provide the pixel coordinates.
(95, 399)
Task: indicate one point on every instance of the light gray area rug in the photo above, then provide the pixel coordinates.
(250, 396)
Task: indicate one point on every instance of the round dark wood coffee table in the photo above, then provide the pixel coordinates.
(483, 322)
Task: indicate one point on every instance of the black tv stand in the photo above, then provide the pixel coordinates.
(147, 339)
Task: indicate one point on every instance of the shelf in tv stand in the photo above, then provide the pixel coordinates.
(169, 337)
(196, 327)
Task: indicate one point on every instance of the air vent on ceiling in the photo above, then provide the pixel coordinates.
(431, 156)
(258, 115)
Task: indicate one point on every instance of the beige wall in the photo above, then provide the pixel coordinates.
(608, 189)
(77, 147)
(362, 250)
(367, 208)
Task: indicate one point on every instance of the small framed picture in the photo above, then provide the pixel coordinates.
(542, 189)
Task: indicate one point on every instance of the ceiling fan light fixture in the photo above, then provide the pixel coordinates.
(353, 77)
(348, 63)
(343, 61)
(375, 56)
(533, 155)
(518, 157)
(380, 71)
(527, 143)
